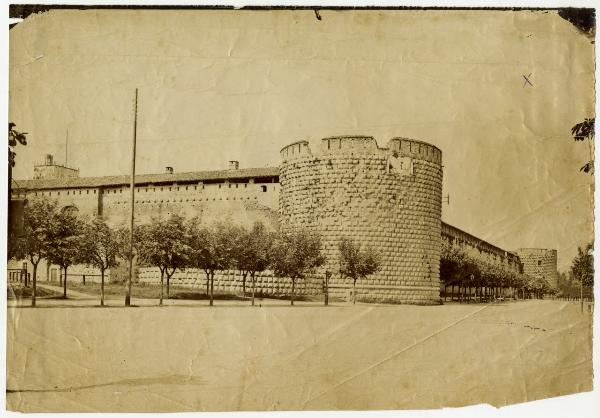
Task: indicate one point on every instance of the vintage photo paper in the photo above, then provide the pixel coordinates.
(306, 209)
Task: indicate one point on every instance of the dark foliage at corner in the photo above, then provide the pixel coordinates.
(582, 19)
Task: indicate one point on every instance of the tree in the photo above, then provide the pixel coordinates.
(458, 268)
(14, 137)
(295, 255)
(582, 268)
(211, 250)
(239, 253)
(451, 262)
(100, 247)
(585, 131)
(562, 279)
(252, 252)
(356, 263)
(164, 243)
(33, 241)
(65, 239)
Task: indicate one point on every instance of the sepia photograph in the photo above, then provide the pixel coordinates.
(271, 208)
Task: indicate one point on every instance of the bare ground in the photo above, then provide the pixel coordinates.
(228, 358)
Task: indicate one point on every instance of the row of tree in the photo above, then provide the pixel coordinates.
(457, 268)
(63, 238)
(580, 282)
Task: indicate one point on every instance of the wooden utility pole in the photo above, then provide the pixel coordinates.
(130, 278)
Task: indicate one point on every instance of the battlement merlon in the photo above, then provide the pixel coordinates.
(357, 144)
(413, 148)
(294, 150)
(361, 144)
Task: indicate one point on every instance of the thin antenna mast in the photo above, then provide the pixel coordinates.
(67, 149)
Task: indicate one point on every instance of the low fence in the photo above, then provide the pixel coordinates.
(231, 281)
(89, 278)
(22, 276)
(573, 298)
(479, 294)
(267, 284)
(19, 276)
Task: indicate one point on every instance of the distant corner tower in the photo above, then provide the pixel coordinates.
(540, 263)
(50, 170)
(389, 199)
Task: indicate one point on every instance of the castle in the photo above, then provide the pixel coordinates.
(389, 198)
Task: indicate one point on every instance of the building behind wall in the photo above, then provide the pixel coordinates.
(50, 170)
(235, 195)
(239, 195)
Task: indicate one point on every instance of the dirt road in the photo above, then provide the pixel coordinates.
(305, 358)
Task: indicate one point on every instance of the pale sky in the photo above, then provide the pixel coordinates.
(222, 85)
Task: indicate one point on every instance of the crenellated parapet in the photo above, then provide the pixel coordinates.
(415, 149)
(294, 150)
(361, 144)
(357, 144)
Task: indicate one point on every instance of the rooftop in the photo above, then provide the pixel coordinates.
(447, 228)
(113, 181)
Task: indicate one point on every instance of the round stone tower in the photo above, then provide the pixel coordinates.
(388, 199)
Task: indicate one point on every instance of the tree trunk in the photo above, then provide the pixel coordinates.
(253, 286)
(244, 284)
(354, 292)
(101, 287)
(168, 285)
(162, 279)
(212, 284)
(293, 286)
(580, 294)
(207, 282)
(33, 283)
(65, 284)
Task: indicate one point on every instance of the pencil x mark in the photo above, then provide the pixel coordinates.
(527, 80)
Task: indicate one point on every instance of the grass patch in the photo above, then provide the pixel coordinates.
(152, 291)
(149, 291)
(297, 298)
(17, 291)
